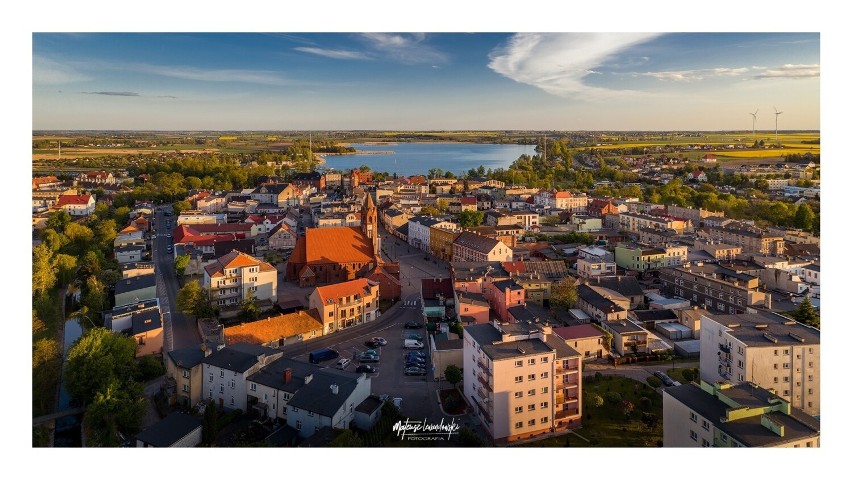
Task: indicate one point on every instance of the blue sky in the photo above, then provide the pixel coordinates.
(410, 81)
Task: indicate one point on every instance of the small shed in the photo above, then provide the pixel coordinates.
(674, 331)
(688, 349)
(368, 413)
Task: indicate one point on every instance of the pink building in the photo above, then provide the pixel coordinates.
(503, 295)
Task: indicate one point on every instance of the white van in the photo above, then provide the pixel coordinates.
(413, 344)
(342, 363)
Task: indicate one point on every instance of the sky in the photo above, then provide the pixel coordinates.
(425, 81)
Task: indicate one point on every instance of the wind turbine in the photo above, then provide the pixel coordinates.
(776, 124)
(753, 121)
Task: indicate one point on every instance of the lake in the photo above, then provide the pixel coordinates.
(418, 158)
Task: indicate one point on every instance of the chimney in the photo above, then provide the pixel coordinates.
(334, 389)
(205, 349)
(288, 375)
(768, 300)
(308, 378)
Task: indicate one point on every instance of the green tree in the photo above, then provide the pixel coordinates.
(96, 359)
(564, 294)
(209, 427)
(806, 313)
(550, 220)
(121, 215)
(81, 236)
(58, 219)
(249, 309)
(180, 206)
(92, 262)
(429, 211)
(181, 262)
(44, 276)
(804, 217)
(470, 219)
(195, 300)
(65, 266)
(453, 374)
(94, 296)
(347, 438)
(119, 406)
(55, 241)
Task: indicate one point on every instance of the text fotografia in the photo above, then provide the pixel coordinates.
(425, 431)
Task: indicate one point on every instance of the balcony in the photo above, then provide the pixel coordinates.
(483, 367)
(481, 393)
(560, 399)
(483, 379)
(566, 413)
(725, 348)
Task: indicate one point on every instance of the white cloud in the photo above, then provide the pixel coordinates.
(336, 54)
(790, 71)
(405, 48)
(49, 72)
(231, 76)
(558, 62)
(694, 75)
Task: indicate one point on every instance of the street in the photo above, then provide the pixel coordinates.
(180, 331)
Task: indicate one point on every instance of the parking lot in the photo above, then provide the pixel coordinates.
(418, 393)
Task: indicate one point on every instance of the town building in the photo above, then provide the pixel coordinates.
(522, 379)
(503, 295)
(602, 304)
(441, 241)
(634, 222)
(175, 430)
(766, 349)
(346, 304)
(593, 262)
(277, 331)
(77, 205)
(583, 338)
(226, 370)
(473, 247)
(745, 415)
(142, 321)
(183, 368)
(230, 278)
(713, 286)
(750, 239)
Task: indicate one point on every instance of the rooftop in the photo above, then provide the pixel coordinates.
(135, 283)
(170, 430)
(238, 357)
(580, 331)
(187, 357)
(765, 329)
(482, 244)
(283, 326)
(358, 288)
(337, 244)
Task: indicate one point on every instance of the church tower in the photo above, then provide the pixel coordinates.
(369, 223)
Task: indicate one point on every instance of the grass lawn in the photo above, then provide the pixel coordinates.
(607, 425)
(677, 374)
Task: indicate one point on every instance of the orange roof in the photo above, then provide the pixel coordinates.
(339, 244)
(272, 329)
(129, 229)
(336, 291)
(235, 259)
(73, 200)
(562, 194)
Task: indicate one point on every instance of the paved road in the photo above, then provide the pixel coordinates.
(180, 330)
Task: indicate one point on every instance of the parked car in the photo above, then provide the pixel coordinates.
(380, 340)
(415, 364)
(169, 249)
(664, 378)
(315, 357)
(413, 325)
(415, 337)
(412, 344)
(365, 368)
(414, 371)
(371, 352)
(415, 354)
(372, 344)
(362, 358)
(343, 363)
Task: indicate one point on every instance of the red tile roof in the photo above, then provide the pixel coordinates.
(235, 259)
(272, 329)
(514, 267)
(340, 244)
(349, 288)
(468, 200)
(73, 200)
(562, 194)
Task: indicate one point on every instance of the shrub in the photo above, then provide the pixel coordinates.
(597, 401)
(450, 403)
(654, 381)
(645, 403)
(612, 397)
(687, 375)
(150, 367)
(626, 407)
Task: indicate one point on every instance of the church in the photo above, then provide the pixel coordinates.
(337, 254)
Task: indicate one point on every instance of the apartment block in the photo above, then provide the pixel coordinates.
(522, 379)
(745, 415)
(767, 349)
(593, 262)
(751, 240)
(713, 286)
(344, 305)
(231, 277)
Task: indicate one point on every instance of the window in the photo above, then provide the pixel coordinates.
(775, 366)
(544, 359)
(519, 364)
(233, 384)
(232, 400)
(531, 422)
(810, 391)
(786, 392)
(185, 373)
(531, 392)
(519, 379)
(544, 405)
(299, 425)
(331, 314)
(519, 409)
(295, 409)
(310, 414)
(531, 361)
(544, 419)
(786, 352)
(253, 386)
(693, 435)
(786, 365)
(775, 379)
(221, 373)
(705, 425)
(519, 394)
(545, 375)
(186, 388)
(519, 425)
(544, 390)
(705, 443)
(531, 407)
(693, 417)
(530, 377)
(221, 388)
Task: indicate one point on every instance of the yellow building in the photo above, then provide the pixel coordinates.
(441, 242)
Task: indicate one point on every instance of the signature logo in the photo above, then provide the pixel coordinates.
(425, 431)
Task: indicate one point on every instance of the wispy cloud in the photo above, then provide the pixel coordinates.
(110, 93)
(408, 48)
(694, 75)
(261, 77)
(49, 72)
(790, 71)
(558, 62)
(336, 54)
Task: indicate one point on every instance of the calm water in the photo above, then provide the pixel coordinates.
(417, 158)
(68, 428)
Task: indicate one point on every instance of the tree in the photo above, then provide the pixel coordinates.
(687, 375)
(44, 277)
(470, 219)
(81, 236)
(650, 420)
(597, 401)
(550, 220)
(249, 309)
(209, 427)
(804, 217)
(119, 406)
(94, 296)
(66, 266)
(564, 293)
(55, 241)
(58, 220)
(453, 374)
(181, 262)
(106, 231)
(91, 263)
(626, 407)
(179, 206)
(806, 313)
(190, 297)
(97, 358)
(121, 215)
(429, 211)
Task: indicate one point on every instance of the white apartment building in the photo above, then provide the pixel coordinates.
(224, 373)
(593, 262)
(230, 278)
(767, 349)
(419, 230)
(522, 379)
